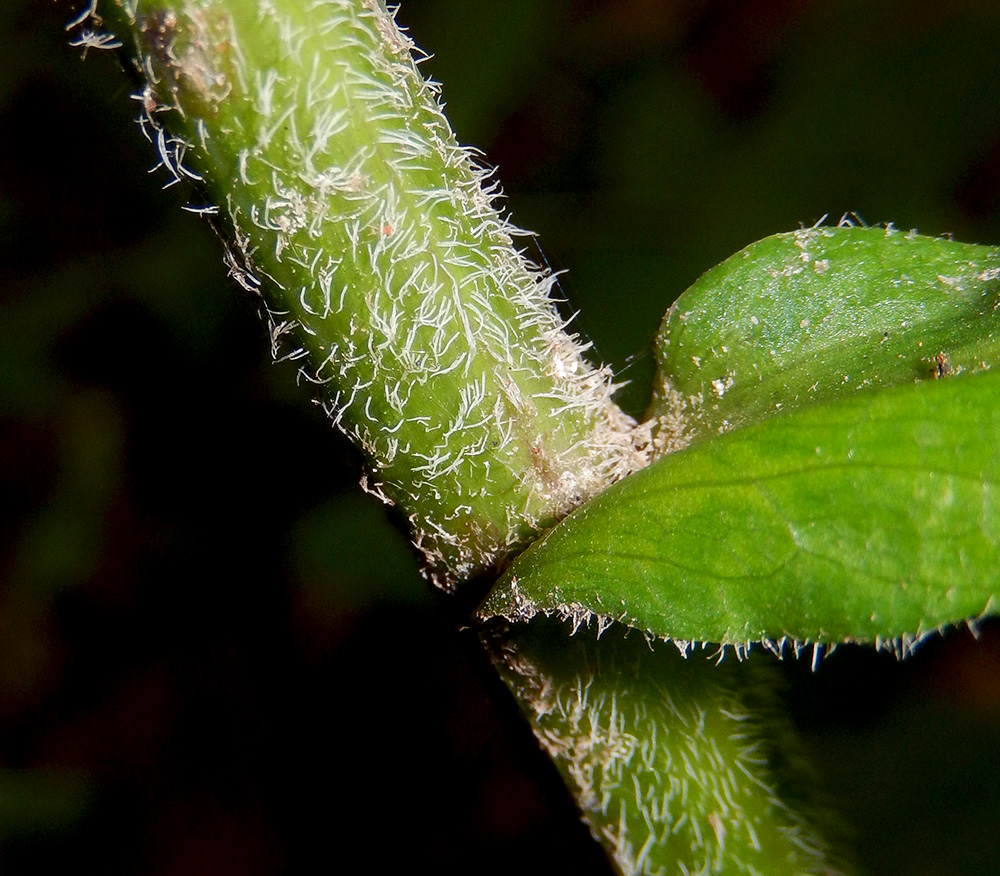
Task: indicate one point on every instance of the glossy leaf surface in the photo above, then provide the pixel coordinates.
(868, 519)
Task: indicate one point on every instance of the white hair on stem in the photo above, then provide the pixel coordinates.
(386, 270)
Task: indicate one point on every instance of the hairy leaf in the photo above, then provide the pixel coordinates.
(873, 518)
(819, 314)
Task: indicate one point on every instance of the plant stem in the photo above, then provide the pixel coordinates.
(671, 760)
(384, 268)
(386, 272)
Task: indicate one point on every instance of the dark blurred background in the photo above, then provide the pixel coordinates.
(216, 656)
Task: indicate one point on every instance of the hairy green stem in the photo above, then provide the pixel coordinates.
(385, 269)
(672, 761)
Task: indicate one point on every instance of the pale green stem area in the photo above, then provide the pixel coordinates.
(384, 268)
(670, 759)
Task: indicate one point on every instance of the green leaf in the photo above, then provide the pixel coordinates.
(874, 518)
(819, 314)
